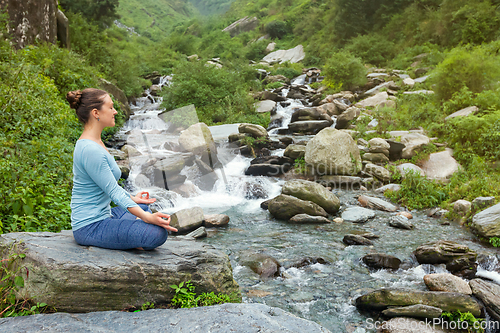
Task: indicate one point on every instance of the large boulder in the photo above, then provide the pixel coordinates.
(63, 29)
(347, 117)
(487, 222)
(309, 126)
(292, 55)
(166, 171)
(197, 139)
(459, 259)
(381, 260)
(242, 25)
(378, 171)
(295, 151)
(489, 294)
(413, 143)
(407, 168)
(219, 318)
(441, 165)
(388, 297)
(333, 152)
(414, 311)
(374, 101)
(255, 131)
(447, 282)
(311, 191)
(75, 278)
(188, 219)
(463, 113)
(265, 106)
(284, 207)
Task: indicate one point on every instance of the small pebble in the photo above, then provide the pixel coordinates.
(405, 214)
(338, 220)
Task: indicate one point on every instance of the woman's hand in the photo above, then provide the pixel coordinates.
(160, 219)
(143, 198)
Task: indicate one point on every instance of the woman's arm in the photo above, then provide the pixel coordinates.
(156, 218)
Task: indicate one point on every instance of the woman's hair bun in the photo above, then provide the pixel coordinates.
(74, 98)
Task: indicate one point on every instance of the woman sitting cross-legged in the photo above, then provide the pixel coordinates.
(94, 223)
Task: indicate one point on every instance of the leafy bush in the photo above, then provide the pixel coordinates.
(374, 49)
(277, 29)
(473, 324)
(185, 297)
(475, 69)
(344, 71)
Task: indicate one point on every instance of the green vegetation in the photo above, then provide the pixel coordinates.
(344, 71)
(473, 324)
(185, 297)
(146, 306)
(11, 281)
(495, 241)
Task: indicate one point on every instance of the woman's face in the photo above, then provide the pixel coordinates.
(107, 113)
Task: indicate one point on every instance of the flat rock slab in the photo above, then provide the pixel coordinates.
(244, 318)
(487, 222)
(440, 166)
(489, 294)
(357, 214)
(376, 203)
(76, 278)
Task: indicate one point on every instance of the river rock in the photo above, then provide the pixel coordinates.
(406, 168)
(341, 182)
(215, 220)
(414, 311)
(278, 160)
(462, 207)
(405, 214)
(376, 203)
(459, 259)
(308, 126)
(383, 298)
(487, 222)
(284, 207)
(388, 187)
(463, 113)
(489, 293)
(482, 202)
(292, 55)
(341, 105)
(381, 260)
(377, 171)
(305, 114)
(447, 282)
(265, 106)
(379, 145)
(356, 240)
(262, 264)
(270, 170)
(75, 278)
(357, 214)
(197, 139)
(376, 158)
(254, 190)
(400, 222)
(441, 165)
(333, 152)
(217, 318)
(130, 151)
(314, 192)
(188, 219)
(305, 219)
(409, 325)
(409, 82)
(166, 171)
(237, 137)
(255, 131)
(295, 151)
(329, 109)
(347, 117)
(373, 101)
(413, 143)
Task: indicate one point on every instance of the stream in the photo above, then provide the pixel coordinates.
(323, 293)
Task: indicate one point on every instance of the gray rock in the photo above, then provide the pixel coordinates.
(414, 311)
(117, 154)
(406, 168)
(333, 152)
(262, 264)
(255, 131)
(76, 278)
(305, 114)
(168, 167)
(356, 240)
(376, 203)
(330, 109)
(292, 55)
(387, 297)
(441, 165)
(489, 294)
(265, 169)
(483, 202)
(447, 282)
(381, 260)
(242, 25)
(314, 192)
(237, 136)
(305, 219)
(188, 219)
(388, 187)
(130, 151)
(379, 145)
(400, 222)
(265, 106)
(413, 143)
(462, 207)
(347, 117)
(487, 222)
(374, 101)
(357, 214)
(284, 207)
(248, 318)
(295, 151)
(463, 113)
(309, 126)
(216, 220)
(419, 92)
(201, 232)
(377, 171)
(409, 82)
(409, 325)
(338, 182)
(376, 158)
(459, 259)
(270, 47)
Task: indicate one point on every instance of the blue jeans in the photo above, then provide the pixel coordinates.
(122, 231)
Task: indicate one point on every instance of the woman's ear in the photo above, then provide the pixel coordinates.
(95, 113)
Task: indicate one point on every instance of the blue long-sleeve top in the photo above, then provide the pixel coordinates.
(95, 176)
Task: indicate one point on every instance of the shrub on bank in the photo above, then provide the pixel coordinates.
(344, 71)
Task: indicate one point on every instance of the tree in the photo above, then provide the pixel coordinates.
(101, 11)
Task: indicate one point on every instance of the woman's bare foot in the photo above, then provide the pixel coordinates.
(139, 248)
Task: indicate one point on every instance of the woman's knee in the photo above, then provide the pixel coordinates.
(157, 237)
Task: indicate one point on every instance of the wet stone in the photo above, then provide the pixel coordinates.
(356, 240)
(381, 260)
(400, 222)
(414, 311)
(357, 214)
